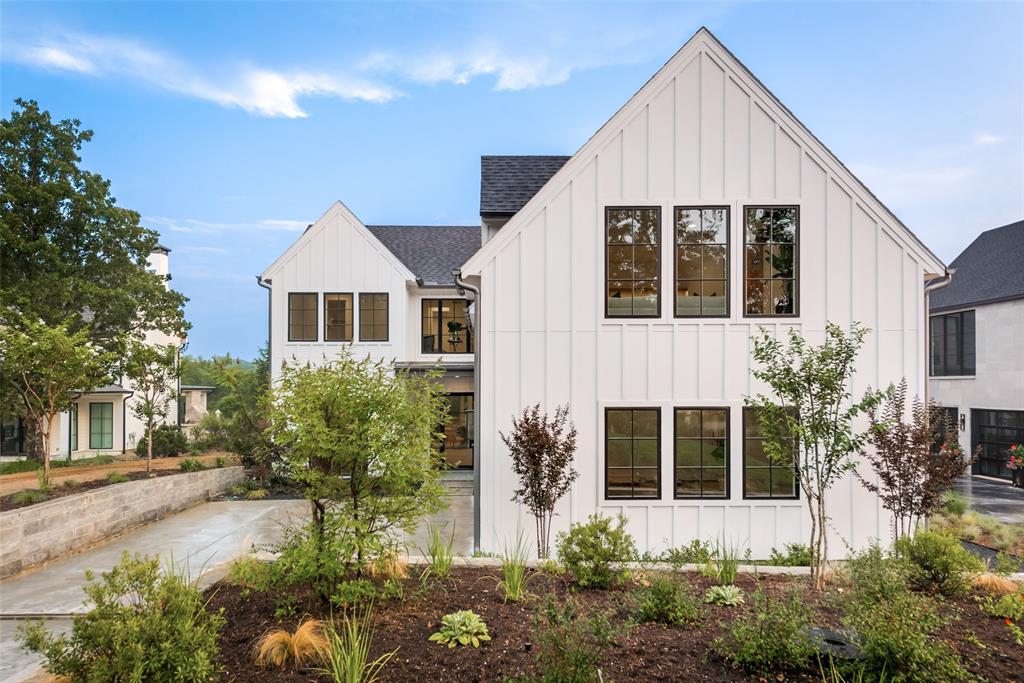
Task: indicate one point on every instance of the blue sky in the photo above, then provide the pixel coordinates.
(230, 126)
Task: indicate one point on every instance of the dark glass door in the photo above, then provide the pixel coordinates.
(994, 431)
(458, 433)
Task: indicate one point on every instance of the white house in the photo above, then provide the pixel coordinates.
(100, 421)
(626, 281)
(977, 347)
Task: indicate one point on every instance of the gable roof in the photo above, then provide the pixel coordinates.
(987, 271)
(702, 39)
(430, 251)
(508, 182)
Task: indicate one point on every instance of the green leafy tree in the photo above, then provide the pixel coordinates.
(71, 256)
(44, 367)
(153, 371)
(362, 441)
(807, 418)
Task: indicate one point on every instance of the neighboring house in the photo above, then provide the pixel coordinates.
(101, 421)
(626, 281)
(192, 402)
(977, 347)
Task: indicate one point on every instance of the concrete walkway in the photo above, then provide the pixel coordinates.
(993, 497)
(201, 539)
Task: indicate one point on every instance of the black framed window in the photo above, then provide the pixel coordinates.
(952, 344)
(101, 425)
(701, 452)
(338, 317)
(632, 453)
(702, 261)
(763, 477)
(373, 316)
(447, 326)
(633, 262)
(302, 316)
(770, 261)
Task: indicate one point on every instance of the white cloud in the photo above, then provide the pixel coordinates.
(198, 227)
(518, 72)
(260, 91)
(986, 138)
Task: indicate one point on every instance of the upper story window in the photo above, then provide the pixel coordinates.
(632, 453)
(702, 453)
(446, 326)
(952, 344)
(770, 270)
(302, 317)
(633, 268)
(338, 317)
(763, 477)
(702, 261)
(373, 317)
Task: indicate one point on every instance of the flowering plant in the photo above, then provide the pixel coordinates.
(1016, 461)
(953, 449)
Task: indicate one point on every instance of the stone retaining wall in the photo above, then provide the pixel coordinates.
(38, 533)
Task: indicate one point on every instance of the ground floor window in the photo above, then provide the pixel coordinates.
(101, 425)
(12, 435)
(73, 428)
(763, 477)
(702, 453)
(632, 453)
(458, 433)
(994, 431)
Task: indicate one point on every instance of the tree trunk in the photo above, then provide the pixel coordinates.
(46, 454)
(149, 450)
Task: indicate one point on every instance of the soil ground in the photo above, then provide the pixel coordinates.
(644, 652)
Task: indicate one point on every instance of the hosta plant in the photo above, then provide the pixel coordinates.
(726, 596)
(464, 627)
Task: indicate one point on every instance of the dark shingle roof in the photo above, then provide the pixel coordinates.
(508, 182)
(987, 271)
(430, 251)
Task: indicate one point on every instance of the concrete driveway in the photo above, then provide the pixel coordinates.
(993, 497)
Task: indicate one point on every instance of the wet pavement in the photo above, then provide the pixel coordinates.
(993, 497)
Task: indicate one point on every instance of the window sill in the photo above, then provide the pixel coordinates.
(952, 377)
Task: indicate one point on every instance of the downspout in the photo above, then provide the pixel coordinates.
(933, 286)
(462, 286)
(270, 321)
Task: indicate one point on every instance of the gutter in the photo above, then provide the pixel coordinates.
(933, 286)
(462, 286)
(265, 284)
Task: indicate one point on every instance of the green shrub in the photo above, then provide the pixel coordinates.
(726, 596)
(464, 627)
(220, 461)
(190, 465)
(28, 497)
(771, 638)
(1005, 607)
(167, 440)
(145, 625)
(347, 659)
(70, 483)
(353, 592)
(249, 574)
(726, 562)
(569, 642)
(257, 494)
(697, 552)
(668, 600)
(593, 551)
(938, 562)
(304, 560)
(954, 504)
(18, 466)
(898, 635)
(514, 575)
(876, 577)
(796, 555)
(116, 478)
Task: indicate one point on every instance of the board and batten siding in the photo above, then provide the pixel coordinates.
(702, 131)
(337, 255)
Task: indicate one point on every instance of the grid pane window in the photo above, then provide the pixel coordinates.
(762, 476)
(301, 317)
(702, 261)
(447, 327)
(952, 344)
(632, 453)
(338, 315)
(770, 260)
(73, 428)
(702, 453)
(101, 425)
(633, 269)
(373, 317)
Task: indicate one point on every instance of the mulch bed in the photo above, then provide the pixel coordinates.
(645, 652)
(61, 489)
